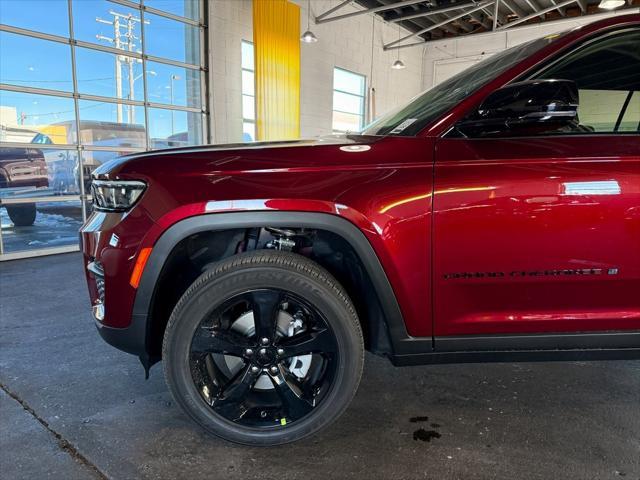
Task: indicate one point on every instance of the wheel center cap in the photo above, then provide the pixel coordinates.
(266, 356)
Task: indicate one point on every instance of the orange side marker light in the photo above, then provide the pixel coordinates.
(136, 275)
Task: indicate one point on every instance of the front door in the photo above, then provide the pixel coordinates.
(541, 233)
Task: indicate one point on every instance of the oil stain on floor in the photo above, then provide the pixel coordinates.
(422, 434)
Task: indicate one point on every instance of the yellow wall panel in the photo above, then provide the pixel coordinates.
(276, 38)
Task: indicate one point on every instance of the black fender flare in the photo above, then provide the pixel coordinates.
(401, 342)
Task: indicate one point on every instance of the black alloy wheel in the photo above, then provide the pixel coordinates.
(264, 349)
(273, 373)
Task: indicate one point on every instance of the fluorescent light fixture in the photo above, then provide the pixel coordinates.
(611, 4)
(604, 187)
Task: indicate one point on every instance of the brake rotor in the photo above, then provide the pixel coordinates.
(286, 326)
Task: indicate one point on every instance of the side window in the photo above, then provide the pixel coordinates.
(607, 73)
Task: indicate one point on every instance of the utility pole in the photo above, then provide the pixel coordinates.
(171, 79)
(123, 41)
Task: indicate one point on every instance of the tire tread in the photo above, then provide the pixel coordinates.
(287, 262)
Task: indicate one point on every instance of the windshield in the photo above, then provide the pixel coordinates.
(409, 119)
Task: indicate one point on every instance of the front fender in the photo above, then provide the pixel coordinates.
(253, 219)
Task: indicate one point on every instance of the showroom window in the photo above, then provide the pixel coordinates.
(348, 101)
(248, 93)
(82, 82)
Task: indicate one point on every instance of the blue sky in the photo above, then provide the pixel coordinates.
(44, 64)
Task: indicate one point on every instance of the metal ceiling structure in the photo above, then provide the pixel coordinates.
(436, 19)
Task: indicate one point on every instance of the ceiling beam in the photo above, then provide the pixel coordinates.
(514, 8)
(390, 45)
(493, 12)
(559, 8)
(534, 15)
(429, 11)
(536, 7)
(428, 21)
(418, 23)
(453, 24)
(463, 24)
(323, 18)
(481, 20)
(334, 9)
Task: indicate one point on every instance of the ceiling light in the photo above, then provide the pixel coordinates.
(308, 36)
(611, 4)
(398, 64)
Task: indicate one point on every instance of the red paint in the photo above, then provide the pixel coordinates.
(498, 206)
(517, 206)
(380, 191)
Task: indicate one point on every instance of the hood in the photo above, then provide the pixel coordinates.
(253, 148)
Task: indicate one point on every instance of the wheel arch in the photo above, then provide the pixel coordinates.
(388, 334)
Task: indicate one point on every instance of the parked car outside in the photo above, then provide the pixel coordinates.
(23, 171)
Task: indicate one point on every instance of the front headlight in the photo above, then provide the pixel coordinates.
(116, 195)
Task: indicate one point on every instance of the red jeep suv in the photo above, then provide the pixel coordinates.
(496, 217)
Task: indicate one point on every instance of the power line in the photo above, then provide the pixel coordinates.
(86, 107)
(54, 81)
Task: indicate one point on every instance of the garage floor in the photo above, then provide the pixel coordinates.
(72, 407)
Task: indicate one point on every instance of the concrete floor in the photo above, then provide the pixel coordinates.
(73, 407)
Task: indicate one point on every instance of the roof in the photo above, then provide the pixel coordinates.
(436, 19)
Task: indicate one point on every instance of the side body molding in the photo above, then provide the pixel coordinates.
(401, 342)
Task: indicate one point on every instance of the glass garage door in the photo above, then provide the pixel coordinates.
(81, 82)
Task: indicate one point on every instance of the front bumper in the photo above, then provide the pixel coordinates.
(132, 339)
(110, 243)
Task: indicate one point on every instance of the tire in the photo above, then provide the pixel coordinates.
(326, 320)
(22, 215)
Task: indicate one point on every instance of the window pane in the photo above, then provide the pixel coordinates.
(173, 85)
(25, 115)
(97, 74)
(107, 23)
(247, 56)
(35, 172)
(30, 226)
(108, 124)
(248, 107)
(345, 102)
(172, 39)
(63, 171)
(173, 128)
(346, 122)
(631, 119)
(48, 16)
(599, 109)
(93, 159)
(348, 82)
(184, 8)
(248, 83)
(35, 63)
(248, 132)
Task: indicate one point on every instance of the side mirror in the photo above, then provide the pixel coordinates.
(548, 104)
